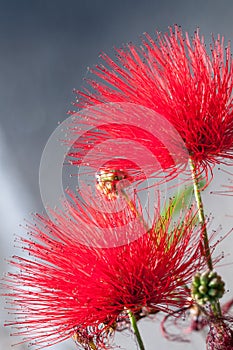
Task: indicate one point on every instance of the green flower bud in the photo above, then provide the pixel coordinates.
(214, 282)
(213, 292)
(203, 289)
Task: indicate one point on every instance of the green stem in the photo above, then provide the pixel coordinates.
(135, 329)
(201, 215)
(215, 306)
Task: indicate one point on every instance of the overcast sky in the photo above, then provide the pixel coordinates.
(45, 49)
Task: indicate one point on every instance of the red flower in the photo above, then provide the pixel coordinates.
(65, 288)
(180, 80)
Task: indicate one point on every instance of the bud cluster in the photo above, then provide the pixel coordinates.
(207, 287)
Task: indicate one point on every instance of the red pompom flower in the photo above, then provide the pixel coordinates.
(180, 80)
(67, 288)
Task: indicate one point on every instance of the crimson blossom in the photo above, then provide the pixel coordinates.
(180, 80)
(66, 288)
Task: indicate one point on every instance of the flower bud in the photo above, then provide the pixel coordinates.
(219, 337)
(108, 181)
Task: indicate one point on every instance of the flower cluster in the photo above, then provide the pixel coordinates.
(98, 267)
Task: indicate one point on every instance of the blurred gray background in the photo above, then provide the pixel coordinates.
(45, 49)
